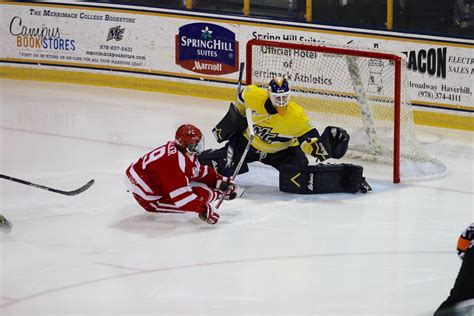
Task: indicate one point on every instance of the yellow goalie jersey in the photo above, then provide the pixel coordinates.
(273, 131)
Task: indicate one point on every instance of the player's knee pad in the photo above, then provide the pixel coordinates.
(221, 160)
(215, 158)
(321, 178)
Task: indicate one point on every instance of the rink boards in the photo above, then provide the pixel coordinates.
(198, 54)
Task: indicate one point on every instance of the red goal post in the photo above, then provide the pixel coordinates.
(329, 77)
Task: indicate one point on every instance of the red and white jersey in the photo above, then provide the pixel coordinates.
(165, 174)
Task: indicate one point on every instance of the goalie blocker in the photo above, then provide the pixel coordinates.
(230, 124)
(323, 178)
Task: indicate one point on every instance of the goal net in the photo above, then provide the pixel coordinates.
(364, 92)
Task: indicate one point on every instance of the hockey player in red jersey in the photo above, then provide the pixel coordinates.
(170, 179)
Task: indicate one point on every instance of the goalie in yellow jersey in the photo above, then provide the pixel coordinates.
(283, 138)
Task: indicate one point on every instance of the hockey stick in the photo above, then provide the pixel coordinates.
(239, 83)
(73, 192)
(248, 113)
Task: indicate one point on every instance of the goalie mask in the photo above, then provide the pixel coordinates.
(189, 139)
(279, 91)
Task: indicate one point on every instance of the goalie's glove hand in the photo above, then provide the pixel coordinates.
(228, 187)
(339, 134)
(336, 140)
(209, 215)
(313, 147)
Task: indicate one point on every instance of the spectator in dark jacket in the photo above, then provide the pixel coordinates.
(464, 14)
(463, 289)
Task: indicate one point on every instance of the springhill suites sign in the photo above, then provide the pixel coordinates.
(207, 48)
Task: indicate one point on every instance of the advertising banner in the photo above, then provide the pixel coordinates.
(63, 36)
(207, 48)
(204, 47)
(439, 73)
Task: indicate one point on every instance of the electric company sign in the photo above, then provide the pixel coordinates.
(207, 49)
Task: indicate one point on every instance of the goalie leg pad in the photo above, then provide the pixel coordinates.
(230, 124)
(322, 178)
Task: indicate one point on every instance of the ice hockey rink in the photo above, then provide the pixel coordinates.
(388, 252)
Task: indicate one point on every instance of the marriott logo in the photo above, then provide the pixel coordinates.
(205, 66)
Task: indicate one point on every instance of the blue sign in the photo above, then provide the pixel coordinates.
(207, 48)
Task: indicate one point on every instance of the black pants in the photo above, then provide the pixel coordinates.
(463, 288)
(290, 156)
(226, 159)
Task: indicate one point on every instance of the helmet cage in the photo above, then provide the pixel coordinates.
(280, 98)
(190, 139)
(279, 91)
(196, 147)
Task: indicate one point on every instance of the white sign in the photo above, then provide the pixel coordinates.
(166, 43)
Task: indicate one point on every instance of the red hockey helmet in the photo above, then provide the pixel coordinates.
(189, 138)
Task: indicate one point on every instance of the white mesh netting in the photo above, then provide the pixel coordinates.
(355, 93)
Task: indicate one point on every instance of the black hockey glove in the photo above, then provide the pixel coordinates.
(227, 187)
(336, 141)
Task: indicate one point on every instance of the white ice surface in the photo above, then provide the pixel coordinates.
(389, 252)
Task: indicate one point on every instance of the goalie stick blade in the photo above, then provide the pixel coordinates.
(240, 191)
